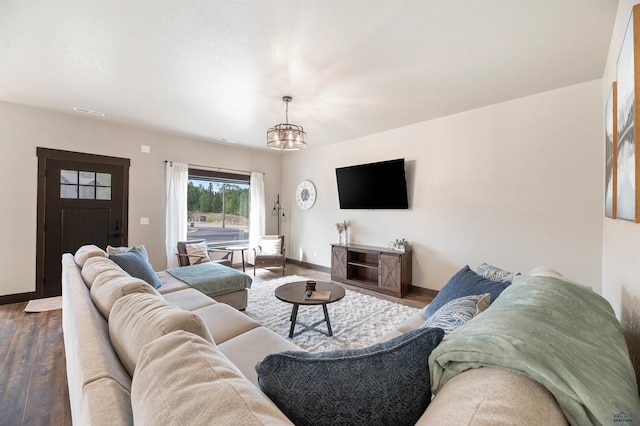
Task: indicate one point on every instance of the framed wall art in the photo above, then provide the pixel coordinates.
(627, 205)
(611, 144)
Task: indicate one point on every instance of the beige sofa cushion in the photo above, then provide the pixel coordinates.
(95, 266)
(140, 318)
(189, 299)
(86, 252)
(182, 379)
(105, 292)
(492, 396)
(170, 283)
(245, 350)
(225, 322)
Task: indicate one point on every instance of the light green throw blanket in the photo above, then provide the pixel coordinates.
(212, 278)
(563, 336)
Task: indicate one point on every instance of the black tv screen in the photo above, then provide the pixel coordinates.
(380, 185)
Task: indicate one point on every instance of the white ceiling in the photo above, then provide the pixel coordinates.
(217, 69)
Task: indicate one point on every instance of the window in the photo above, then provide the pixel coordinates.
(77, 184)
(218, 207)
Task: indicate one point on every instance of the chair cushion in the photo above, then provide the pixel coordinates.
(134, 262)
(271, 246)
(138, 319)
(198, 252)
(385, 384)
(182, 379)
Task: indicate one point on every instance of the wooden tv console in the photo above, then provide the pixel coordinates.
(376, 268)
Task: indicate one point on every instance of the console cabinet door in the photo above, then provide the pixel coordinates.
(390, 273)
(338, 262)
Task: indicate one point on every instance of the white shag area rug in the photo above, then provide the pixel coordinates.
(357, 321)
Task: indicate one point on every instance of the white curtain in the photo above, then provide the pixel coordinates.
(176, 181)
(256, 214)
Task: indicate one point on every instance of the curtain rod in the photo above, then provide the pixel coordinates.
(220, 169)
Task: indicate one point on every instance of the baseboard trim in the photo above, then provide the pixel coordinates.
(309, 265)
(421, 291)
(17, 298)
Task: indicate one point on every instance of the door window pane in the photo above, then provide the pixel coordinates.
(103, 179)
(103, 193)
(87, 192)
(69, 191)
(85, 185)
(87, 178)
(69, 176)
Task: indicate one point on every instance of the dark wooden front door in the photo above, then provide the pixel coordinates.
(82, 199)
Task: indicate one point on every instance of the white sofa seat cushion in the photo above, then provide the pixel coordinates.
(225, 322)
(182, 379)
(140, 318)
(170, 283)
(189, 299)
(262, 342)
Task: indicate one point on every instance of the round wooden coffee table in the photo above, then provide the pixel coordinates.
(294, 293)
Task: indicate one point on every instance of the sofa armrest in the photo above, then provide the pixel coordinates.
(491, 396)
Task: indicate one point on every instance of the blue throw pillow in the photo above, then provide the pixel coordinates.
(384, 384)
(465, 283)
(135, 264)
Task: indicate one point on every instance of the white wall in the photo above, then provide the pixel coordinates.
(517, 184)
(621, 238)
(22, 129)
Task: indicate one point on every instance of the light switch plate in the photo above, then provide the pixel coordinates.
(144, 221)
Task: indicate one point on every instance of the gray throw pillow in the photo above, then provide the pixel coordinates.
(384, 384)
(136, 265)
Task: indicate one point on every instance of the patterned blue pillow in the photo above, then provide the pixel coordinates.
(458, 312)
(135, 264)
(384, 384)
(465, 283)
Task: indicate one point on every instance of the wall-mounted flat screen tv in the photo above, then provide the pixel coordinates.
(381, 185)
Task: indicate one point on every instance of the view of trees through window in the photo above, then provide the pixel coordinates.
(218, 209)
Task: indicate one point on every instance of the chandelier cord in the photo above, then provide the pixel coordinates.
(286, 113)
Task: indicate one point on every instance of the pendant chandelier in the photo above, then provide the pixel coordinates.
(286, 137)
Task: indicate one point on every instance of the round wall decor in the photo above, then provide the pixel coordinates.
(305, 195)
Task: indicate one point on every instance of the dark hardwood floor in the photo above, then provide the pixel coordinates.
(33, 381)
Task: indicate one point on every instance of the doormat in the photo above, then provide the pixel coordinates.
(43, 305)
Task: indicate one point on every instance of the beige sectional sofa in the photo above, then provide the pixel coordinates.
(105, 329)
(175, 356)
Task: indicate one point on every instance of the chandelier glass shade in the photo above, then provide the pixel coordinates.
(285, 136)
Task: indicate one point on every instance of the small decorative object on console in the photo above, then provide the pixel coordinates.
(400, 244)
